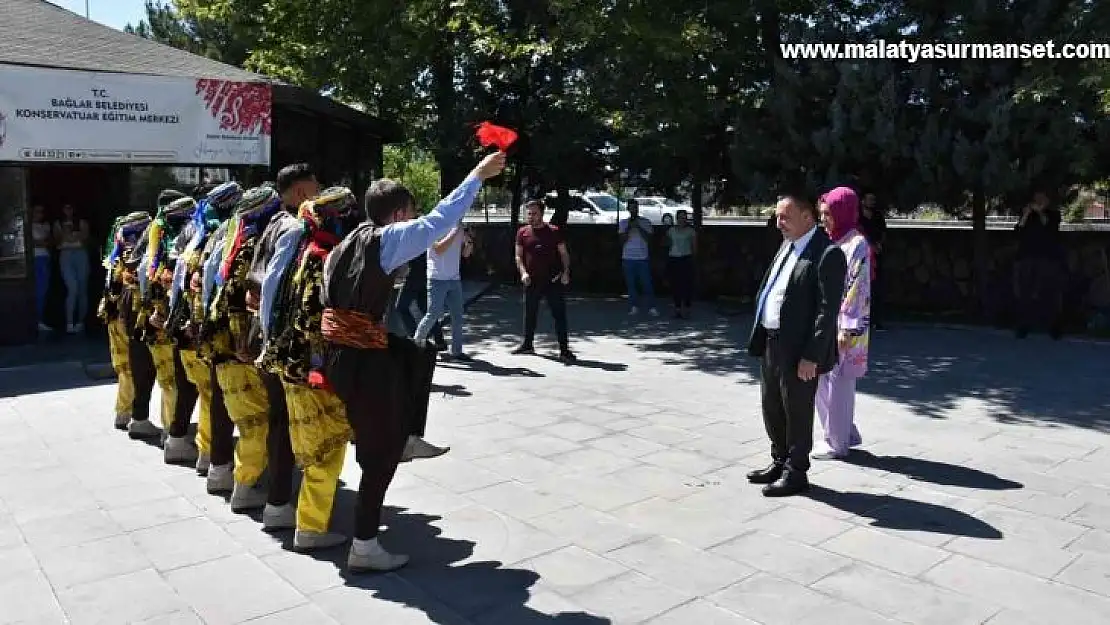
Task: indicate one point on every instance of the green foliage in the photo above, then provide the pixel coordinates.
(417, 170)
(663, 94)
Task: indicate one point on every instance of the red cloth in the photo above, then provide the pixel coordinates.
(494, 135)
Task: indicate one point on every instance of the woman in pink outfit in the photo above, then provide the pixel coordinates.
(836, 390)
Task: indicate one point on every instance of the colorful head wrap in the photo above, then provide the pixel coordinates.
(124, 235)
(167, 225)
(844, 206)
(216, 206)
(252, 214)
(335, 212)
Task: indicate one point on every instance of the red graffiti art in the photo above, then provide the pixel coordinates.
(242, 107)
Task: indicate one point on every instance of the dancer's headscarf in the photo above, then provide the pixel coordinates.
(252, 214)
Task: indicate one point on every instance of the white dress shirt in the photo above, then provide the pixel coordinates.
(770, 301)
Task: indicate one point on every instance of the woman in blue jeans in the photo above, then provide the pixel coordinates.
(43, 240)
(72, 235)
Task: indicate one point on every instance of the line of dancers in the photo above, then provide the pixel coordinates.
(269, 307)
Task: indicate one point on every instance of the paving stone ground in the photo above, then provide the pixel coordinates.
(608, 492)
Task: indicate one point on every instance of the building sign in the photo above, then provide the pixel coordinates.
(58, 115)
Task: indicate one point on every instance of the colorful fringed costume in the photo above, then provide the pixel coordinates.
(155, 276)
(230, 323)
(186, 306)
(119, 288)
(295, 351)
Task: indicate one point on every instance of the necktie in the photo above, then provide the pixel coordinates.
(771, 282)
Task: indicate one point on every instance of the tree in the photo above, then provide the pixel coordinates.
(225, 41)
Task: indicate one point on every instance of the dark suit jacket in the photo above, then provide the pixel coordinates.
(811, 306)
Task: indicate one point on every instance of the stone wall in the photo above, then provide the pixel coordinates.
(926, 270)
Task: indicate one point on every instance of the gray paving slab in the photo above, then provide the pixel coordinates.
(608, 492)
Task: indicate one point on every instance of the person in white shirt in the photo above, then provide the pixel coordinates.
(445, 290)
(635, 234)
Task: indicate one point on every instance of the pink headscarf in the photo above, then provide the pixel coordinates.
(843, 204)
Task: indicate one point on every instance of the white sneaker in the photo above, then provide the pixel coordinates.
(204, 462)
(143, 429)
(276, 518)
(247, 497)
(654, 312)
(417, 448)
(122, 421)
(304, 540)
(369, 555)
(178, 449)
(633, 311)
(220, 479)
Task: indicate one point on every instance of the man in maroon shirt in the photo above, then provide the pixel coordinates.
(544, 265)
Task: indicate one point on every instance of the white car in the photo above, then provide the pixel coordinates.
(660, 211)
(588, 208)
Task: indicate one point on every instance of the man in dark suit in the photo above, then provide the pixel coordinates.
(794, 335)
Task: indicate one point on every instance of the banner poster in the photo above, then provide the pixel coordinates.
(55, 115)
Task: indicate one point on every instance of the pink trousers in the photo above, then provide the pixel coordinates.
(836, 407)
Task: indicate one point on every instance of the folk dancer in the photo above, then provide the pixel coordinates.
(296, 184)
(122, 239)
(292, 313)
(363, 365)
(215, 432)
(230, 323)
(155, 276)
(836, 390)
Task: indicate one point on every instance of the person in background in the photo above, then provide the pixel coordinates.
(72, 235)
(682, 240)
(1040, 268)
(445, 289)
(544, 265)
(836, 390)
(872, 224)
(414, 290)
(42, 234)
(635, 235)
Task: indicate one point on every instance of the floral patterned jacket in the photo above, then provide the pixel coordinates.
(855, 309)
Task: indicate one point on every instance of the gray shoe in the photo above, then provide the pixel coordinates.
(310, 541)
(143, 429)
(246, 497)
(220, 479)
(204, 463)
(179, 450)
(369, 556)
(276, 518)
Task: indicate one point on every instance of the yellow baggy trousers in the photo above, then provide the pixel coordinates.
(319, 432)
(197, 372)
(248, 405)
(121, 362)
(162, 354)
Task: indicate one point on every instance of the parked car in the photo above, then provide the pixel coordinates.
(587, 208)
(661, 210)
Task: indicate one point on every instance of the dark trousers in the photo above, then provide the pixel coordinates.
(223, 429)
(680, 271)
(381, 398)
(142, 371)
(405, 299)
(419, 366)
(552, 291)
(788, 406)
(1039, 286)
(279, 447)
(186, 401)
